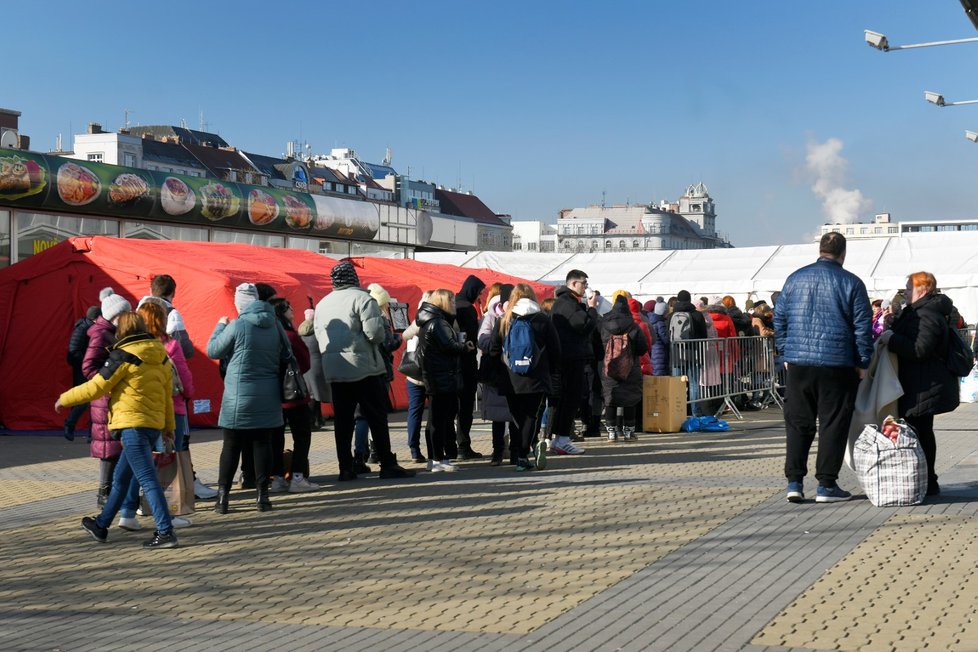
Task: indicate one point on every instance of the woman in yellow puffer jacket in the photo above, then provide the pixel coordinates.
(139, 377)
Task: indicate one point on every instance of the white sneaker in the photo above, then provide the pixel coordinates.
(139, 511)
(179, 521)
(448, 467)
(129, 524)
(435, 467)
(300, 484)
(202, 491)
(278, 485)
(563, 446)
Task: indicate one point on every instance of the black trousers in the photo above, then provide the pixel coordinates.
(523, 408)
(442, 419)
(924, 427)
(371, 395)
(466, 408)
(299, 420)
(570, 398)
(258, 441)
(825, 393)
(628, 416)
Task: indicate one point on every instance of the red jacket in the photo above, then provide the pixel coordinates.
(726, 328)
(643, 324)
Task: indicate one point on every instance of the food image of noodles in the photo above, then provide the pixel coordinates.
(77, 186)
(297, 213)
(127, 188)
(217, 201)
(262, 208)
(176, 197)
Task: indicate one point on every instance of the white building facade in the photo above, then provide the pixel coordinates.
(883, 227)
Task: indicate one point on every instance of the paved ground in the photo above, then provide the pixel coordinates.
(677, 542)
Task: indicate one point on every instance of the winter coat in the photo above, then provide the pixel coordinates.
(315, 380)
(301, 353)
(920, 340)
(439, 350)
(643, 324)
(257, 350)
(660, 347)
(467, 320)
(137, 379)
(392, 342)
(823, 317)
(77, 347)
(101, 337)
(492, 405)
(742, 323)
(548, 346)
(174, 325)
(725, 326)
(349, 328)
(619, 322)
(575, 324)
(175, 352)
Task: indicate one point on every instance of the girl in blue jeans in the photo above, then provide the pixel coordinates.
(138, 377)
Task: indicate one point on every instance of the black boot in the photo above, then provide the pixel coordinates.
(106, 469)
(221, 506)
(264, 504)
(359, 465)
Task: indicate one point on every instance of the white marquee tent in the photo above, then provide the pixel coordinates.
(883, 264)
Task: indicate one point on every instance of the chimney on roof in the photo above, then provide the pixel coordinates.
(95, 128)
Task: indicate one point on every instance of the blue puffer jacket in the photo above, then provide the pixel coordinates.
(660, 349)
(252, 390)
(823, 318)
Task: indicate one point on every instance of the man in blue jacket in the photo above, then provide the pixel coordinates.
(823, 329)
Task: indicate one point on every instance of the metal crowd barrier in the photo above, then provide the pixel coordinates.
(722, 368)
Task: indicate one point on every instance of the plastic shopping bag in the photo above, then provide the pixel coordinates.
(704, 424)
(969, 387)
(890, 464)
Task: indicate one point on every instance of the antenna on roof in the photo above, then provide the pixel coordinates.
(603, 194)
(125, 113)
(183, 122)
(388, 156)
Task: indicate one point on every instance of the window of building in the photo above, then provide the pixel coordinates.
(849, 230)
(621, 244)
(567, 244)
(259, 239)
(194, 173)
(151, 167)
(95, 157)
(607, 244)
(892, 229)
(531, 246)
(546, 246)
(878, 230)
(517, 246)
(863, 230)
(129, 159)
(39, 231)
(635, 244)
(580, 244)
(145, 231)
(969, 227)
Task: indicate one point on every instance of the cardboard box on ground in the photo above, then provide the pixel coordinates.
(663, 403)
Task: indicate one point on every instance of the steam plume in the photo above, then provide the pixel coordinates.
(828, 167)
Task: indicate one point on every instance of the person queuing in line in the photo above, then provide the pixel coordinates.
(525, 385)
(251, 407)
(417, 396)
(440, 349)
(575, 319)
(315, 380)
(823, 328)
(138, 380)
(494, 406)
(467, 320)
(684, 358)
(101, 337)
(643, 325)
(392, 342)
(623, 344)
(919, 337)
(295, 414)
(660, 345)
(350, 330)
(77, 347)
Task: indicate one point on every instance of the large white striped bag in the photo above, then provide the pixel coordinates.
(891, 473)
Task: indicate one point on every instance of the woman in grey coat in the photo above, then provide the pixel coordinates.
(315, 379)
(251, 406)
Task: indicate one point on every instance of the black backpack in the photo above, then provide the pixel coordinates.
(78, 342)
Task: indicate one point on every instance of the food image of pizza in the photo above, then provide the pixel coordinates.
(297, 213)
(127, 188)
(176, 197)
(217, 201)
(77, 185)
(20, 177)
(262, 208)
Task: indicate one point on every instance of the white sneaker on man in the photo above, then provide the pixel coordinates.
(300, 484)
(202, 491)
(564, 446)
(448, 467)
(129, 524)
(278, 485)
(435, 466)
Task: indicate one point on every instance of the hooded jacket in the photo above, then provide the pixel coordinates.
(619, 321)
(439, 350)
(138, 380)
(742, 323)
(174, 325)
(823, 317)
(467, 318)
(101, 337)
(660, 347)
(350, 330)
(643, 324)
(257, 349)
(920, 340)
(315, 380)
(548, 345)
(725, 327)
(575, 324)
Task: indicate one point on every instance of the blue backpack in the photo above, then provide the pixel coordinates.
(520, 348)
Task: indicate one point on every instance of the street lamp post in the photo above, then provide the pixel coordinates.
(938, 99)
(880, 42)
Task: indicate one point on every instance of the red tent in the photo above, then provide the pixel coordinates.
(41, 297)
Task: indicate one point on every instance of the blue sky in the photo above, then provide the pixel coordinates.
(542, 106)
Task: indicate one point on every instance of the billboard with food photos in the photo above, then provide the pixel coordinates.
(60, 184)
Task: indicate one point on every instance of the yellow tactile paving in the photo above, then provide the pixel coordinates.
(910, 584)
(465, 552)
